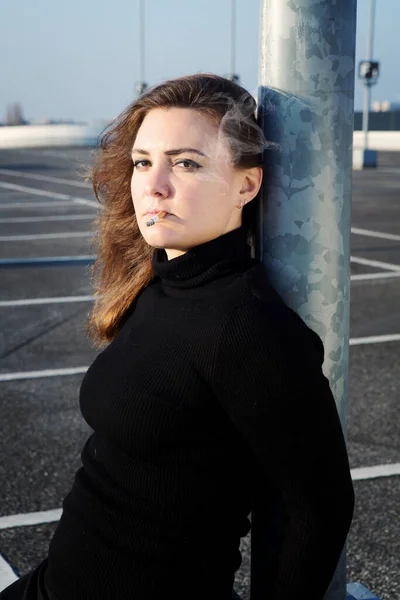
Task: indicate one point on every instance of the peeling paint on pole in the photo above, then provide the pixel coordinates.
(306, 104)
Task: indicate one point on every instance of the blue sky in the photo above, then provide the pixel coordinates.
(79, 59)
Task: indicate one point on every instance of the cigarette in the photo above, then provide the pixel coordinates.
(158, 216)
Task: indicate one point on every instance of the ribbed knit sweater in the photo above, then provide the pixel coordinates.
(212, 388)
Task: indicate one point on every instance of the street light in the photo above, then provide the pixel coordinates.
(368, 72)
(232, 76)
(140, 85)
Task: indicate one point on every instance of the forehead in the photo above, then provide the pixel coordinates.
(177, 127)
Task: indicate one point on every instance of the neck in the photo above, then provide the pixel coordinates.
(203, 262)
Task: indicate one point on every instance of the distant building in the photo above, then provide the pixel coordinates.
(14, 114)
(385, 116)
(385, 106)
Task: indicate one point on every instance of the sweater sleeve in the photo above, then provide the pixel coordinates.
(268, 377)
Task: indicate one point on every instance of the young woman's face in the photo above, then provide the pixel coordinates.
(199, 188)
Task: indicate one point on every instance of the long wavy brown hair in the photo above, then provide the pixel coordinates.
(123, 265)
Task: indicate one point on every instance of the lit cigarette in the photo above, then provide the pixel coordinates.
(158, 216)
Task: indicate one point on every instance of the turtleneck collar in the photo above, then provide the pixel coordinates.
(203, 262)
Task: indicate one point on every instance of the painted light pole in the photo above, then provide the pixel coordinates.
(368, 73)
(232, 75)
(306, 105)
(141, 86)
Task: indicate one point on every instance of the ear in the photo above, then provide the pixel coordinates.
(251, 183)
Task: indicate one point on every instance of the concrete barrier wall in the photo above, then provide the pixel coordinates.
(36, 136)
(378, 140)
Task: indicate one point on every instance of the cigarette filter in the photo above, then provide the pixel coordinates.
(158, 216)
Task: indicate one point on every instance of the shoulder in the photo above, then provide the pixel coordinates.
(264, 316)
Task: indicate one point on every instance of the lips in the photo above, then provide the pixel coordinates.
(155, 212)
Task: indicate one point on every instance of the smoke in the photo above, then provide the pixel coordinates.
(238, 137)
(241, 131)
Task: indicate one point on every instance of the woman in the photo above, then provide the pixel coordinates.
(207, 377)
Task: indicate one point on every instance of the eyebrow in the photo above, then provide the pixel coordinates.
(172, 152)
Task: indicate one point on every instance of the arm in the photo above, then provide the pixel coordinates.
(268, 377)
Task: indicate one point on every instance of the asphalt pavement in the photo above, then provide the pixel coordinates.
(43, 431)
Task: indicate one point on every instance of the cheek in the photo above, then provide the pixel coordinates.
(135, 186)
(134, 193)
(213, 180)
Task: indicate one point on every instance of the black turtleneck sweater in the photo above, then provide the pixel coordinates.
(212, 387)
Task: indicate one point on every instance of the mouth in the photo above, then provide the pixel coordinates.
(151, 213)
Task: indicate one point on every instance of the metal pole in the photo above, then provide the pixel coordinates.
(306, 104)
(367, 85)
(233, 36)
(366, 109)
(141, 41)
(141, 85)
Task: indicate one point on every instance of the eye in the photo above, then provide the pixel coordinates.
(192, 164)
(138, 162)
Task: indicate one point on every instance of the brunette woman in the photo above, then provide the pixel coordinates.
(208, 385)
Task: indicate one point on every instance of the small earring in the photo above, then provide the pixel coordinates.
(242, 203)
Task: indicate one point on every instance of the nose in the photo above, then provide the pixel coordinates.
(157, 183)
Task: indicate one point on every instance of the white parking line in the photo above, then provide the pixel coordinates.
(55, 300)
(87, 202)
(7, 575)
(362, 473)
(51, 153)
(73, 371)
(33, 518)
(48, 261)
(45, 373)
(370, 233)
(35, 204)
(38, 192)
(66, 299)
(24, 175)
(50, 218)
(53, 515)
(374, 263)
(375, 339)
(367, 276)
(45, 236)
